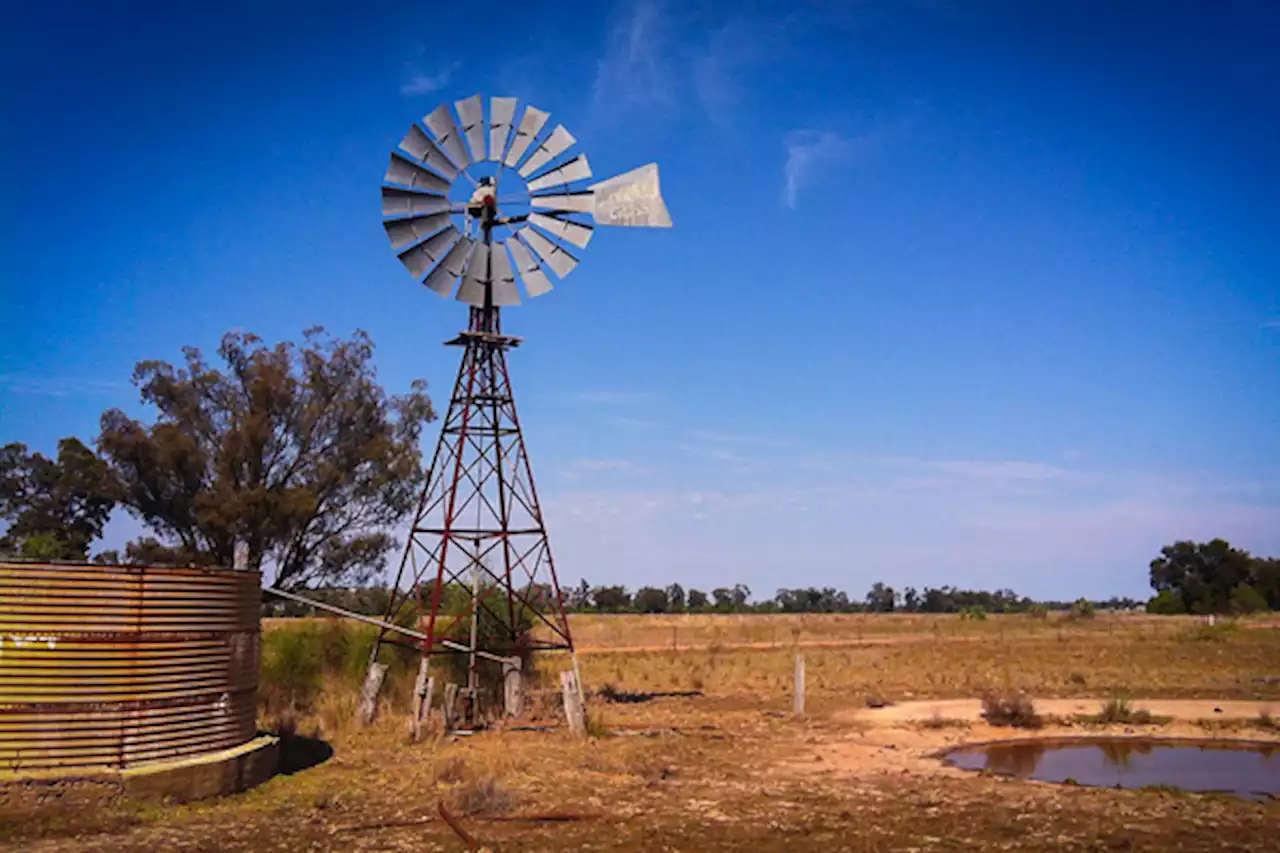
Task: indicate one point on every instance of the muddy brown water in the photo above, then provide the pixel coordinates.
(1249, 770)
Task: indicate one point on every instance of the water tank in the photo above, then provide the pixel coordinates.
(118, 666)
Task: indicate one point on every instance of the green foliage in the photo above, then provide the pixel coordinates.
(1213, 577)
(54, 507)
(493, 634)
(974, 613)
(881, 598)
(1038, 611)
(299, 657)
(652, 600)
(1167, 603)
(295, 451)
(1082, 609)
(1246, 599)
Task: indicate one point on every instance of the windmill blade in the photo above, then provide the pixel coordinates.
(579, 202)
(419, 146)
(552, 147)
(444, 276)
(530, 123)
(402, 171)
(475, 278)
(440, 122)
(504, 280)
(424, 256)
(565, 229)
(556, 257)
(633, 199)
(535, 280)
(403, 232)
(400, 202)
(574, 170)
(471, 112)
(502, 112)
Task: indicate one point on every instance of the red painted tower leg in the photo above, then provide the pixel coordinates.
(479, 511)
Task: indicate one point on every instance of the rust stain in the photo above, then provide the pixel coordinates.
(114, 666)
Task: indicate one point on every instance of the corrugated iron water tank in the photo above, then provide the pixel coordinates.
(117, 666)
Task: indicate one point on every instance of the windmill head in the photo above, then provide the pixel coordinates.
(529, 200)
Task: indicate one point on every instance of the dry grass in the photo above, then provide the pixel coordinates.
(730, 769)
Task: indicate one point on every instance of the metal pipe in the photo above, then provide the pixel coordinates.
(389, 626)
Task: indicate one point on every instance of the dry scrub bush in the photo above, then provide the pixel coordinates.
(1015, 710)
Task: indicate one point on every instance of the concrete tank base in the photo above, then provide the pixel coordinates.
(213, 774)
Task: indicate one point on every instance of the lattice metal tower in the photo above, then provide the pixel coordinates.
(478, 545)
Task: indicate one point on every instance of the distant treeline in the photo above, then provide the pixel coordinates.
(1188, 577)
(674, 598)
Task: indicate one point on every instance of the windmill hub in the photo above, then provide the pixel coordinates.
(478, 550)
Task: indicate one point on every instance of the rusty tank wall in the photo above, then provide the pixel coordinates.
(116, 666)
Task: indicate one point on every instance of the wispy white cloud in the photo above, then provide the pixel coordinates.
(420, 83)
(810, 152)
(719, 67)
(59, 386)
(635, 67)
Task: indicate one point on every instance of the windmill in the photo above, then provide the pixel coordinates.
(476, 206)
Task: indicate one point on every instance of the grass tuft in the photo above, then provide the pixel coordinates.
(1119, 710)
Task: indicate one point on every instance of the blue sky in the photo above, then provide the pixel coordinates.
(981, 293)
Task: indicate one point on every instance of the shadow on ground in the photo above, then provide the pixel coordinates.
(298, 752)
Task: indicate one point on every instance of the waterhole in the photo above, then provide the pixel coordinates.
(1249, 770)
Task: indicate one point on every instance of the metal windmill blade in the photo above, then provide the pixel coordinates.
(425, 255)
(402, 232)
(402, 171)
(419, 146)
(535, 280)
(502, 112)
(555, 257)
(552, 147)
(565, 229)
(579, 202)
(397, 202)
(530, 123)
(572, 171)
(475, 279)
(471, 112)
(449, 270)
(440, 122)
(502, 277)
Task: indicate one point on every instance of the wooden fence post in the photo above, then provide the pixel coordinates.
(574, 711)
(421, 706)
(448, 710)
(512, 692)
(373, 679)
(799, 689)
